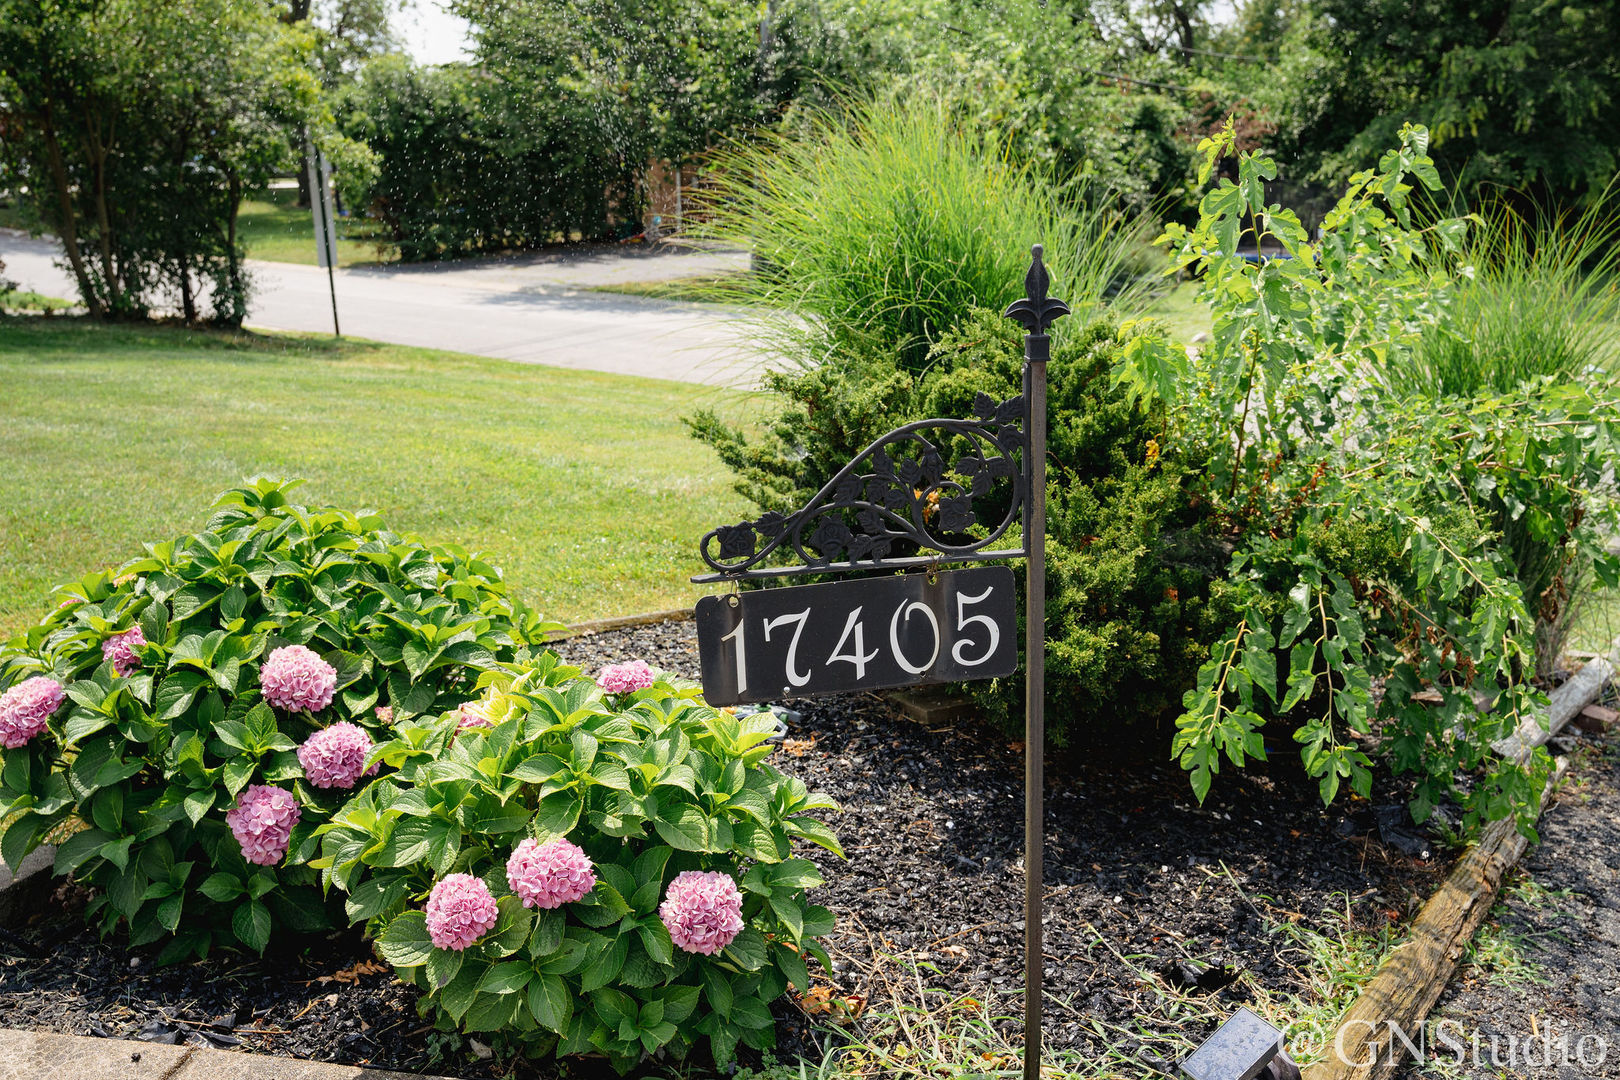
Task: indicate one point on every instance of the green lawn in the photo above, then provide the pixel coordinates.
(272, 227)
(17, 303)
(1181, 312)
(713, 289)
(584, 487)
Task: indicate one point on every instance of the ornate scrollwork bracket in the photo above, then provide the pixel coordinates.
(952, 488)
(920, 488)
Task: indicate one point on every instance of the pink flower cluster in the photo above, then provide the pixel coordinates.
(261, 821)
(120, 649)
(460, 910)
(625, 678)
(296, 679)
(335, 757)
(25, 709)
(702, 910)
(549, 875)
(385, 714)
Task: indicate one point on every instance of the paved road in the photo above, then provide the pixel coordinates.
(530, 308)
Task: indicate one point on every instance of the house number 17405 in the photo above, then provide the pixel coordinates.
(858, 635)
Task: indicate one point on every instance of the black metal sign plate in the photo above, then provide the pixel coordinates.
(907, 630)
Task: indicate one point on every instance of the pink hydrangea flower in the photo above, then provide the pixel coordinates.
(120, 649)
(385, 714)
(26, 708)
(460, 910)
(549, 875)
(626, 678)
(335, 757)
(261, 821)
(294, 678)
(703, 911)
(473, 714)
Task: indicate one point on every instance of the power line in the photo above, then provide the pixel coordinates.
(1223, 55)
(1139, 82)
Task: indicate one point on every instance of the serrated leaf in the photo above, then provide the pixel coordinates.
(251, 925)
(683, 827)
(405, 942)
(747, 950)
(222, 887)
(441, 966)
(550, 1003)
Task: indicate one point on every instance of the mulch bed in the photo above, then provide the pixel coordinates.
(1139, 878)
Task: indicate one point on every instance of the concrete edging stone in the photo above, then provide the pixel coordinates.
(29, 1055)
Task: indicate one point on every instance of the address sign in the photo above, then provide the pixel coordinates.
(907, 630)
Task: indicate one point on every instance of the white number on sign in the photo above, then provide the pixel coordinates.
(854, 624)
(903, 613)
(793, 647)
(964, 620)
(736, 636)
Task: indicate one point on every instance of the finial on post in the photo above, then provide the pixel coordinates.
(1036, 312)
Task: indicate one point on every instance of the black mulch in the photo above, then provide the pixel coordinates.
(933, 826)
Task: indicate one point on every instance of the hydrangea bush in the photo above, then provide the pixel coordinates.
(603, 866)
(194, 716)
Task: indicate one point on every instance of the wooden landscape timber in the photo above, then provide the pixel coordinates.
(1366, 1045)
(621, 622)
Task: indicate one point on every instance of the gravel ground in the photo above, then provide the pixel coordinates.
(1139, 879)
(1564, 910)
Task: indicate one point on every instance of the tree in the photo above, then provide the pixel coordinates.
(606, 87)
(1516, 92)
(139, 126)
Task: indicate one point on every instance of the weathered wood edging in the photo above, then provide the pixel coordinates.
(1367, 1043)
(622, 622)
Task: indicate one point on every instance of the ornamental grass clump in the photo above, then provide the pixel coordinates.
(1540, 310)
(600, 870)
(191, 718)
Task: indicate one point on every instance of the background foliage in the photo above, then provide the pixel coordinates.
(138, 127)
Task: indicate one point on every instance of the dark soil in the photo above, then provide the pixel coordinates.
(1564, 908)
(1138, 877)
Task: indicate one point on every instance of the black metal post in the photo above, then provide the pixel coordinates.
(1036, 312)
(1036, 352)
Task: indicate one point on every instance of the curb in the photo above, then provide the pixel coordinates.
(28, 1055)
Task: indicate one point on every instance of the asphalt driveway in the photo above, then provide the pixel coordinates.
(534, 308)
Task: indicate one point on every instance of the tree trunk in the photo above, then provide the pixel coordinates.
(238, 309)
(1184, 31)
(68, 226)
(188, 300)
(104, 240)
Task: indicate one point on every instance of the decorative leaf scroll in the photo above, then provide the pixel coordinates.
(907, 494)
(1035, 312)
